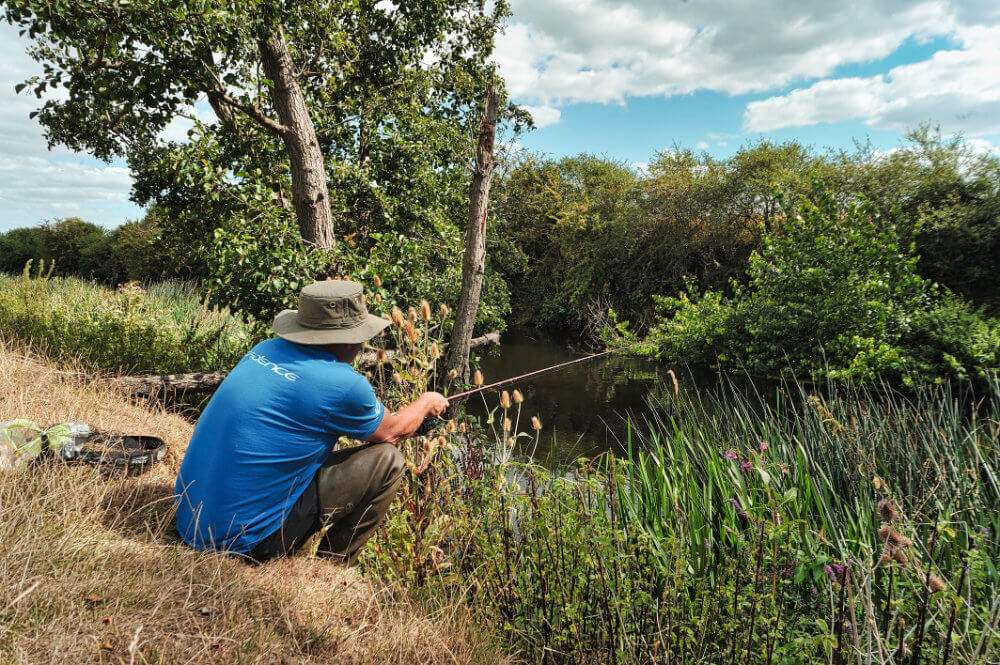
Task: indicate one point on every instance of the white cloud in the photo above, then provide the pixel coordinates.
(544, 115)
(702, 145)
(565, 51)
(37, 183)
(959, 89)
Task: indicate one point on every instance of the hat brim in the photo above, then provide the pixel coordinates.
(286, 326)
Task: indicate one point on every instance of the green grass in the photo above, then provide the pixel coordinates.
(165, 329)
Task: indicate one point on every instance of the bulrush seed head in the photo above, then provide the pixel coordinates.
(425, 311)
(536, 423)
(518, 397)
(887, 511)
(376, 280)
(505, 399)
(397, 317)
(477, 378)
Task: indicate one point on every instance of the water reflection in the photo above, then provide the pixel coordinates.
(582, 407)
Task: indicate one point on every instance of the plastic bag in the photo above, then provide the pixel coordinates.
(20, 442)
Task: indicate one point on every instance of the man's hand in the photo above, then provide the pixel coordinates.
(436, 403)
(405, 422)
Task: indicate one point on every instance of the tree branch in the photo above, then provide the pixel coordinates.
(251, 110)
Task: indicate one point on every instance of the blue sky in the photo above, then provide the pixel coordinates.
(627, 79)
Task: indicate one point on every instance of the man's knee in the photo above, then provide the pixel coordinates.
(390, 459)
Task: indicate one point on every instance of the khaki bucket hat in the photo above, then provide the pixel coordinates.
(331, 312)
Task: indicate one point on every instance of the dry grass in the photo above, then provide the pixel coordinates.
(91, 571)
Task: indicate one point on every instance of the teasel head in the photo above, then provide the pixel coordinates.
(518, 397)
(452, 374)
(411, 314)
(885, 559)
(536, 423)
(505, 399)
(890, 537)
(934, 583)
(411, 331)
(452, 427)
(435, 351)
(462, 427)
(397, 317)
(506, 424)
(477, 378)
(397, 378)
(887, 511)
(377, 281)
(900, 558)
(380, 356)
(425, 311)
(378, 297)
(444, 310)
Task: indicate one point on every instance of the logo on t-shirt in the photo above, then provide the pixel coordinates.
(274, 367)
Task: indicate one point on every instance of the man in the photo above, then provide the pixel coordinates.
(260, 475)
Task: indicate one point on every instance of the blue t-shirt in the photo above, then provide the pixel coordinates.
(264, 434)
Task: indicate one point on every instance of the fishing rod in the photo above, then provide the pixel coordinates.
(521, 377)
(431, 422)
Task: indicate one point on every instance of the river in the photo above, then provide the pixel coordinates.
(582, 407)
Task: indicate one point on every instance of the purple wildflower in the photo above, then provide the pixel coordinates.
(706, 544)
(731, 454)
(848, 627)
(763, 446)
(746, 465)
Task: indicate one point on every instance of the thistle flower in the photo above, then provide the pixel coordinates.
(536, 423)
(377, 281)
(425, 311)
(411, 314)
(397, 317)
(477, 378)
(444, 310)
(435, 351)
(518, 397)
(452, 374)
(887, 511)
(506, 424)
(505, 399)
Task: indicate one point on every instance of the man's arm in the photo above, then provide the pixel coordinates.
(401, 425)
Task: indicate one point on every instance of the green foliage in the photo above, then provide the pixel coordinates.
(129, 330)
(833, 292)
(393, 92)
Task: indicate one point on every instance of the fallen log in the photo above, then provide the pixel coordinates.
(158, 384)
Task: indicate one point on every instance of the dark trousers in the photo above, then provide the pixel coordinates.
(350, 494)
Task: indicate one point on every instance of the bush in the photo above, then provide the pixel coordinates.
(833, 292)
(128, 330)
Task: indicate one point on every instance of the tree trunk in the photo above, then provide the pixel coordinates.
(309, 192)
(475, 241)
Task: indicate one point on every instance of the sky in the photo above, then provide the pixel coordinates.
(626, 80)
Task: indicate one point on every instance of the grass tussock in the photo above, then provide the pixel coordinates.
(91, 570)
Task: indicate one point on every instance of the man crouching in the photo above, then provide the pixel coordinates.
(260, 475)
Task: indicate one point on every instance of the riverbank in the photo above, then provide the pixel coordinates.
(92, 572)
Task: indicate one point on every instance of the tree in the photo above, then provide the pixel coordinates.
(18, 246)
(474, 261)
(357, 111)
